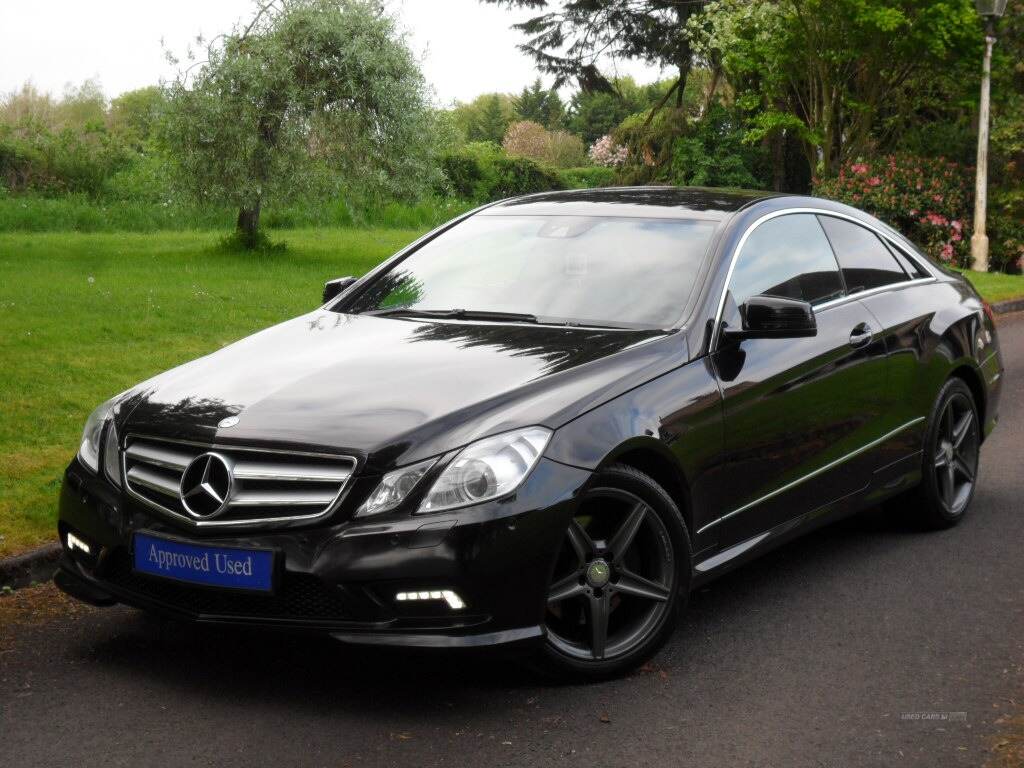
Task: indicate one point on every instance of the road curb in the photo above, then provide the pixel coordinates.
(1010, 305)
(36, 565)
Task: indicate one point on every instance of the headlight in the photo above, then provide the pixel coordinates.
(89, 450)
(487, 469)
(112, 456)
(393, 488)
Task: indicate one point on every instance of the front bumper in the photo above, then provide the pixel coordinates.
(341, 577)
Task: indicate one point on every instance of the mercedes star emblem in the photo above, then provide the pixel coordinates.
(206, 485)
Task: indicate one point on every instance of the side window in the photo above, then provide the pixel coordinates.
(788, 256)
(866, 262)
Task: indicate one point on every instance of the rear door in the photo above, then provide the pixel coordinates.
(798, 413)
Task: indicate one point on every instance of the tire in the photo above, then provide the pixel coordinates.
(950, 460)
(624, 565)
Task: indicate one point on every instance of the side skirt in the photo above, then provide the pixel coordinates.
(887, 482)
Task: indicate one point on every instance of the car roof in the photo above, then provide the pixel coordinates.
(648, 202)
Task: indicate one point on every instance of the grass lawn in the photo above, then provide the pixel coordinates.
(996, 287)
(84, 316)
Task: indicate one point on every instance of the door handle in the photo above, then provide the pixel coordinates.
(861, 336)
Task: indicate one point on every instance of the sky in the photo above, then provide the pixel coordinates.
(467, 48)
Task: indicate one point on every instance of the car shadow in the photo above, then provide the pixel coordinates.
(319, 674)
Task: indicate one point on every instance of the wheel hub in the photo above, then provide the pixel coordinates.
(598, 573)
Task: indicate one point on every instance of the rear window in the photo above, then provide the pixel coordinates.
(866, 262)
(910, 266)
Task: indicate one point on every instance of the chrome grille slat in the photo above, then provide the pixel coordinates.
(159, 456)
(268, 486)
(280, 498)
(156, 481)
(251, 470)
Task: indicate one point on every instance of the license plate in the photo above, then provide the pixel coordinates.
(227, 567)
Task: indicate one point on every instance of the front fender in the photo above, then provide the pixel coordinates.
(675, 418)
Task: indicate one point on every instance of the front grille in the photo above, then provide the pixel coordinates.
(298, 597)
(267, 486)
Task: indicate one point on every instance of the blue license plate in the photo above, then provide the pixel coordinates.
(229, 567)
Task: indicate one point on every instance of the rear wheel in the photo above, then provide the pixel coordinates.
(620, 579)
(951, 459)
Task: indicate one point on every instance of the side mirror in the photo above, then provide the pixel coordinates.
(772, 317)
(337, 286)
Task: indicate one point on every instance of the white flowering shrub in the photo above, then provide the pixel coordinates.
(606, 152)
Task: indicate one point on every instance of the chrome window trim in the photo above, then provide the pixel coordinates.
(811, 475)
(331, 508)
(716, 331)
(871, 292)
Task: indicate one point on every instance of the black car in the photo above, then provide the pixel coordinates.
(543, 423)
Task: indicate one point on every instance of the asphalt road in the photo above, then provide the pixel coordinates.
(863, 644)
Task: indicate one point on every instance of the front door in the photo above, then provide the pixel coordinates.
(799, 414)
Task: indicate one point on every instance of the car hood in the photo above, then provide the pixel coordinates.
(393, 390)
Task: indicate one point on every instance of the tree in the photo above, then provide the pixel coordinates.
(307, 86)
(838, 74)
(491, 122)
(569, 37)
(135, 114)
(593, 114)
(540, 105)
(486, 118)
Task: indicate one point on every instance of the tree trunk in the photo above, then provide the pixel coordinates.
(248, 225)
(777, 147)
(684, 75)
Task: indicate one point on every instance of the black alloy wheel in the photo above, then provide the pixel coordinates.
(956, 454)
(616, 586)
(951, 459)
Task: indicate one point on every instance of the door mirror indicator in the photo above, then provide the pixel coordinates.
(773, 317)
(336, 287)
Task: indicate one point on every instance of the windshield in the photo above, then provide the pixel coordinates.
(558, 269)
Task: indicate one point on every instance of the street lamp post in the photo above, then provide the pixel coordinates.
(989, 10)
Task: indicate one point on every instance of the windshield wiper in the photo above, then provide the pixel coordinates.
(458, 314)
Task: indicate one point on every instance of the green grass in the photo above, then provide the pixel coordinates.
(996, 286)
(80, 213)
(84, 316)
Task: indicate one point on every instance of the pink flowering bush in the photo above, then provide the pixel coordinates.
(606, 152)
(927, 199)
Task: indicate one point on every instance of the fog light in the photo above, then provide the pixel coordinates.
(74, 543)
(452, 598)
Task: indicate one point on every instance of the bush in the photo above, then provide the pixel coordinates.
(712, 153)
(1006, 231)
(81, 213)
(34, 158)
(481, 171)
(558, 148)
(587, 177)
(463, 171)
(928, 199)
(676, 149)
(515, 176)
(607, 153)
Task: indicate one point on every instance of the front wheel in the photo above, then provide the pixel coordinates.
(620, 579)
